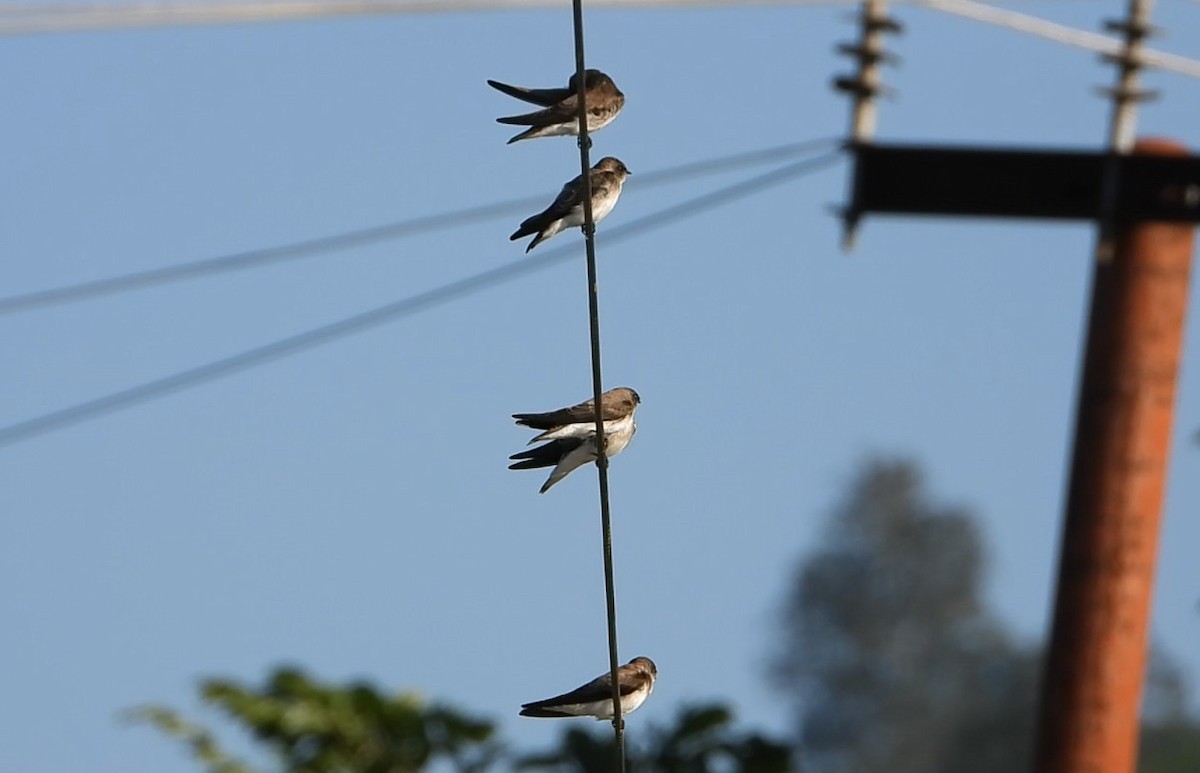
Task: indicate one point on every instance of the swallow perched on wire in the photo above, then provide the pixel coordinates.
(575, 420)
(607, 177)
(602, 98)
(635, 680)
(572, 444)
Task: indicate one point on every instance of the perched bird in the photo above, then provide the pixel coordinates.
(571, 434)
(607, 176)
(574, 421)
(566, 454)
(635, 680)
(602, 99)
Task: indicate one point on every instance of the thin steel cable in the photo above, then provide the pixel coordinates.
(1059, 33)
(239, 261)
(42, 18)
(125, 398)
(304, 248)
(589, 238)
(25, 20)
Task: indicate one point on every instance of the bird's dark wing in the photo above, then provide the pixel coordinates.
(534, 711)
(568, 198)
(560, 112)
(614, 404)
(596, 690)
(573, 415)
(545, 455)
(543, 97)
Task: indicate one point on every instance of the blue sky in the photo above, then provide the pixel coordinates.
(348, 509)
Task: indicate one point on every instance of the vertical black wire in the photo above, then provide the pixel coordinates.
(589, 235)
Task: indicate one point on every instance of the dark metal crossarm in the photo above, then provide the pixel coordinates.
(1042, 184)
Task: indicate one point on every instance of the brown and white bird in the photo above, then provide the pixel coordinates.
(607, 176)
(571, 422)
(603, 100)
(571, 433)
(635, 680)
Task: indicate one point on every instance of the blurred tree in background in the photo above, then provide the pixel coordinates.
(1170, 741)
(892, 660)
(701, 740)
(887, 652)
(308, 727)
(889, 656)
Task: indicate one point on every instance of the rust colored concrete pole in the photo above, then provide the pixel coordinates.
(1092, 681)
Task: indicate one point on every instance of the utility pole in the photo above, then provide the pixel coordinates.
(1092, 678)
(1094, 668)
(1145, 199)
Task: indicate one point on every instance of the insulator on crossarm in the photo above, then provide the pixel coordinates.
(863, 87)
(853, 84)
(866, 55)
(1128, 95)
(1132, 29)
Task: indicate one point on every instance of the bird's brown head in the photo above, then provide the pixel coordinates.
(621, 397)
(613, 164)
(645, 664)
(592, 79)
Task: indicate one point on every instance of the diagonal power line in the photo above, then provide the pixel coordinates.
(406, 307)
(1059, 33)
(31, 18)
(27, 19)
(363, 236)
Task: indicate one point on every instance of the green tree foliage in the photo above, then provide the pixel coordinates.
(893, 662)
(1170, 741)
(1170, 747)
(701, 740)
(309, 727)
